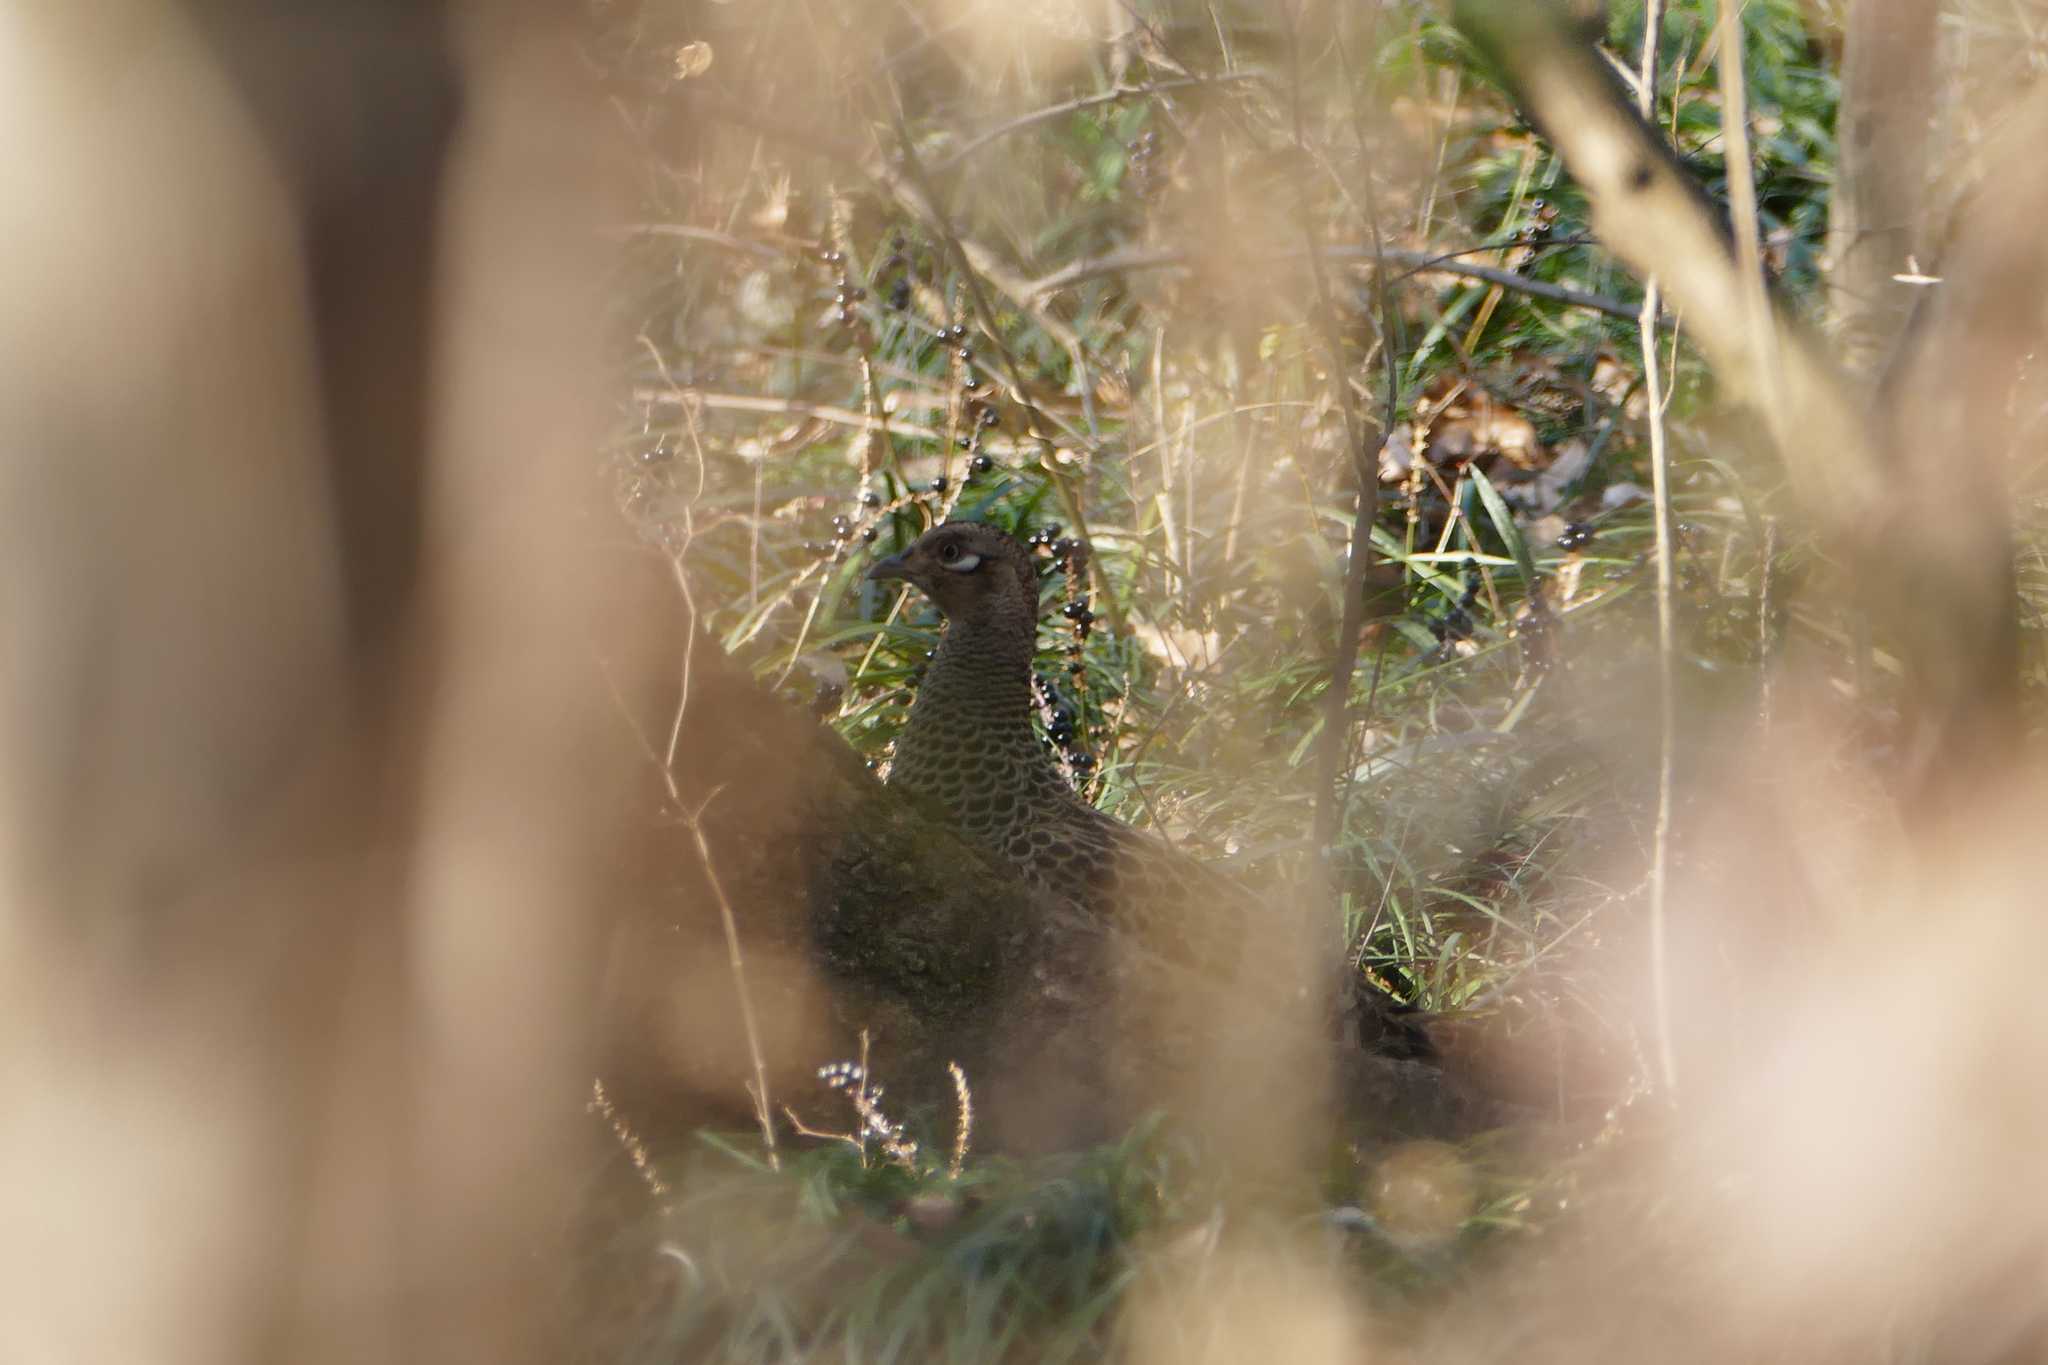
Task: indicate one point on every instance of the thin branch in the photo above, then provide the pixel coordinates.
(1393, 344)
(758, 1087)
(1667, 608)
(1363, 439)
(1763, 338)
(1074, 106)
(1411, 263)
(802, 1129)
(745, 246)
(1764, 607)
(675, 729)
(793, 407)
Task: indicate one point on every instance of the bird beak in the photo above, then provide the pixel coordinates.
(892, 567)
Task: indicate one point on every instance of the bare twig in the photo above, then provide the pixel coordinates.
(1667, 607)
(1749, 258)
(682, 577)
(802, 1129)
(794, 407)
(1411, 263)
(1769, 554)
(757, 1088)
(851, 1081)
(745, 246)
(1393, 345)
(1072, 106)
(1363, 438)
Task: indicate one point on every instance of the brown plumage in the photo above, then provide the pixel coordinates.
(970, 748)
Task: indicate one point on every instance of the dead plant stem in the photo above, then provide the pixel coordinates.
(1667, 644)
(1763, 334)
(1363, 437)
(1113, 95)
(1769, 553)
(757, 1088)
(1406, 260)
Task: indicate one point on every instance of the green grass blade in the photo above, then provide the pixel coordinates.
(1504, 522)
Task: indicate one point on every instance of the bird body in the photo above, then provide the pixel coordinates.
(969, 745)
(970, 748)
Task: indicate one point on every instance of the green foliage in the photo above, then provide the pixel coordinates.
(843, 1255)
(865, 1261)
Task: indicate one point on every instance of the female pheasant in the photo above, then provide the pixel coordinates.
(970, 749)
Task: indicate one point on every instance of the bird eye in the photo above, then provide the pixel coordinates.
(956, 559)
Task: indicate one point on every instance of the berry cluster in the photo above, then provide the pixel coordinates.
(842, 1075)
(1062, 729)
(851, 1079)
(1067, 553)
(848, 527)
(1457, 624)
(1540, 221)
(643, 475)
(897, 262)
(1143, 166)
(845, 528)
(916, 678)
(1536, 630)
(977, 406)
(863, 523)
(1069, 556)
(1577, 536)
(976, 410)
(847, 295)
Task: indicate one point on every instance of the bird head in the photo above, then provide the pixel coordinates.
(970, 571)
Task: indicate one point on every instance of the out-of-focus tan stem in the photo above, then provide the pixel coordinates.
(1667, 606)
